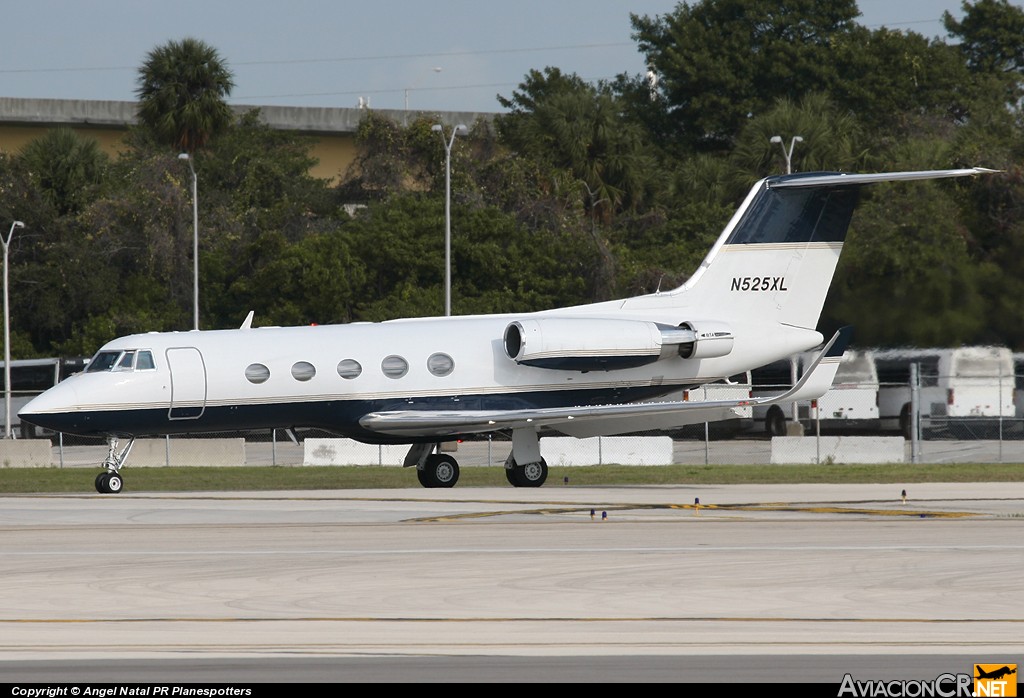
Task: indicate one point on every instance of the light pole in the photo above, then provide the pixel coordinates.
(7, 336)
(787, 154)
(459, 130)
(195, 239)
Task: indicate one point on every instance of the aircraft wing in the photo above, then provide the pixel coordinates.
(605, 419)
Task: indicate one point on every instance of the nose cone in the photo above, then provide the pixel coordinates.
(56, 409)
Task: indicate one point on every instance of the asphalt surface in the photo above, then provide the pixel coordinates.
(777, 583)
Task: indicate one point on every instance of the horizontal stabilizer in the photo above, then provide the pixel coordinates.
(820, 180)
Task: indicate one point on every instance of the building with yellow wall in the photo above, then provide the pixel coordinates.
(332, 129)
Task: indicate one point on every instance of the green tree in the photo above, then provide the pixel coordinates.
(991, 36)
(719, 63)
(830, 138)
(67, 168)
(900, 83)
(577, 130)
(393, 158)
(906, 276)
(182, 88)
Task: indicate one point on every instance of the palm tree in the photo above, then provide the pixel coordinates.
(182, 90)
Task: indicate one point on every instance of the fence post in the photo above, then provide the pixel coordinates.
(60, 447)
(707, 434)
(273, 446)
(167, 450)
(817, 433)
(915, 413)
(1000, 414)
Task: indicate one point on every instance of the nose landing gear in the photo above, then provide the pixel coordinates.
(110, 480)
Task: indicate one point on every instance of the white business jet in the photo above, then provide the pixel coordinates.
(581, 371)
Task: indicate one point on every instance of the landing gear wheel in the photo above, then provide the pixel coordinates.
(534, 474)
(529, 475)
(906, 423)
(423, 475)
(512, 475)
(444, 470)
(114, 483)
(109, 482)
(775, 421)
(440, 470)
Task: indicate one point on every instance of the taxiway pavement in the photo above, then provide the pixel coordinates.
(758, 570)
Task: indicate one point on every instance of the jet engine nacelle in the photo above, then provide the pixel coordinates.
(597, 344)
(710, 340)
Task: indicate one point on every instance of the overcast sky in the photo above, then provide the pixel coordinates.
(331, 52)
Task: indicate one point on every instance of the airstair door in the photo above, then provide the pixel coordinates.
(188, 383)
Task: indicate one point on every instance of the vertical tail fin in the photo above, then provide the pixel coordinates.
(775, 259)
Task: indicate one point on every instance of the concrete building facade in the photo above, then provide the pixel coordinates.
(107, 122)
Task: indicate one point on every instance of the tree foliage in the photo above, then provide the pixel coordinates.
(182, 89)
(66, 168)
(720, 62)
(580, 191)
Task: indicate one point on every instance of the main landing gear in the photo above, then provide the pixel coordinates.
(439, 470)
(110, 481)
(432, 469)
(524, 466)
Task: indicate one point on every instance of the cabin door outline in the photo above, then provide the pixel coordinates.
(188, 383)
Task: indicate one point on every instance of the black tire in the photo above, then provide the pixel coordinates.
(775, 421)
(443, 470)
(512, 475)
(423, 475)
(101, 482)
(906, 423)
(529, 475)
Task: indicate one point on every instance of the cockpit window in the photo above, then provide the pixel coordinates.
(130, 360)
(103, 361)
(127, 359)
(145, 361)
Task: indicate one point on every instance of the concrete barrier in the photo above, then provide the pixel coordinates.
(349, 452)
(622, 450)
(560, 450)
(25, 453)
(838, 449)
(160, 452)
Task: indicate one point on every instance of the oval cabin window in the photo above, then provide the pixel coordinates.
(394, 366)
(349, 369)
(303, 371)
(257, 373)
(440, 364)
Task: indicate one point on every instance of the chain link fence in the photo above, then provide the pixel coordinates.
(944, 442)
(930, 418)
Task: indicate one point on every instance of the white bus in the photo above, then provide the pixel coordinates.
(735, 387)
(851, 403)
(966, 390)
(30, 377)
